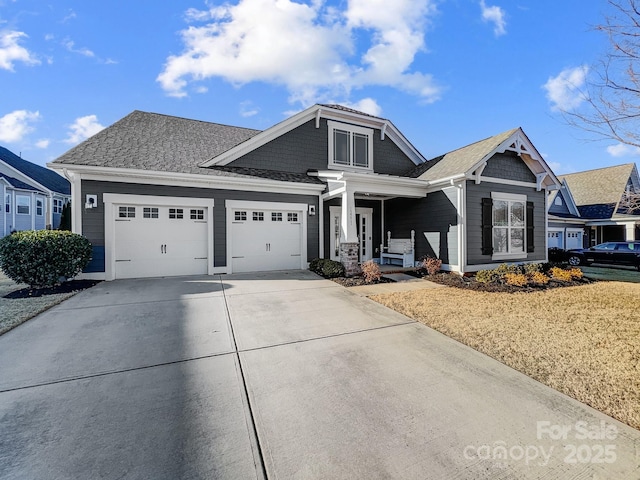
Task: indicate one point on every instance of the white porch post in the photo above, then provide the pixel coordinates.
(349, 233)
(630, 232)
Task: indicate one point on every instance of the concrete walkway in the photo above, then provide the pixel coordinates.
(280, 375)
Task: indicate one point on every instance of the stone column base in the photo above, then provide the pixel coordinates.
(349, 258)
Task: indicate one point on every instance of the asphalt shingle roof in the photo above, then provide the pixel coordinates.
(151, 141)
(459, 161)
(45, 177)
(14, 182)
(603, 186)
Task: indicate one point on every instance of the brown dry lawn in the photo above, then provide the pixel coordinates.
(583, 341)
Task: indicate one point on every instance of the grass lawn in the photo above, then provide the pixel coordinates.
(583, 341)
(13, 312)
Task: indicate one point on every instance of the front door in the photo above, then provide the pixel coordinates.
(364, 223)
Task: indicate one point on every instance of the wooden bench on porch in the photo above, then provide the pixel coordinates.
(402, 249)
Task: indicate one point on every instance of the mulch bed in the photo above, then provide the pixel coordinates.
(66, 287)
(357, 281)
(470, 283)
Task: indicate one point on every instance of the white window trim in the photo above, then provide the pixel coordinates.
(17, 205)
(41, 207)
(512, 197)
(351, 129)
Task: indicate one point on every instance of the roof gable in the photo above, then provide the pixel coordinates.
(602, 186)
(470, 160)
(564, 193)
(48, 179)
(318, 111)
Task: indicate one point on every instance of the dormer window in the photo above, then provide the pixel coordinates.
(350, 147)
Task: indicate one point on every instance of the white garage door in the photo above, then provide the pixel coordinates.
(555, 238)
(574, 238)
(265, 239)
(159, 240)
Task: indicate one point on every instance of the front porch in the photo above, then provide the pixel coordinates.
(354, 215)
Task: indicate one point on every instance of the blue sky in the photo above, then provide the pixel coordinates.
(447, 73)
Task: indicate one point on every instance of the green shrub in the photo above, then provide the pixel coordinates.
(327, 268)
(487, 276)
(42, 258)
(332, 269)
(531, 268)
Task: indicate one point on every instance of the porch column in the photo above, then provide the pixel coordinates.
(630, 232)
(349, 234)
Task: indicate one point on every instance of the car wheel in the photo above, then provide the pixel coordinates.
(574, 260)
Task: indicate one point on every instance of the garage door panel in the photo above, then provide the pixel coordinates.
(160, 241)
(263, 240)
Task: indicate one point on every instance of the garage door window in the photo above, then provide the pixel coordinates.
(197, 214)
(126, 212)
(258, 216)
(240, 216)
(292, 217)
(176, 213)
(150, 212)
(276, 216)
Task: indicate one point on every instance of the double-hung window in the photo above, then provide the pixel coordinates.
(350, 146)
(507, 226)
(23, 205)
(39, 207)
(7, 205)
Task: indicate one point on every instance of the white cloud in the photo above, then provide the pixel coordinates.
(622, 150)
(15, 125)
(366, 105)
(83, 128)
(310, 49)
(43, 143)
(11, 51)
(565, 90)
(247, 109)
(495, 15)
(71, 46)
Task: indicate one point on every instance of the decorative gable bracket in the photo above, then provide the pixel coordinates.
(520, 146)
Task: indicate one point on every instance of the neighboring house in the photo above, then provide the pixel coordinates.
(594, 202)
(566, 228)
(160, 195)
(33, 196)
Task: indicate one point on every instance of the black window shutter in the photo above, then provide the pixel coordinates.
(487, 226)
(530, 245)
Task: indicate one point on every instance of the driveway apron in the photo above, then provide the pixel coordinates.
(283, 375)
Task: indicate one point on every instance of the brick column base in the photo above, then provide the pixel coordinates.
(349, 258)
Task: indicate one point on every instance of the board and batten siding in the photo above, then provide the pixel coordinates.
(93, 219)
(474, 195)
(307, 148)
(434, 219)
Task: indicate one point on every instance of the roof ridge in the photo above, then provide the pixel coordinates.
(475, 143)
(599, 168)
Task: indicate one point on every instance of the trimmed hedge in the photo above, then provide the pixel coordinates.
(43, 258)
(327, 268)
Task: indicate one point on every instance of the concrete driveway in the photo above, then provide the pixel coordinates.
(280, 375)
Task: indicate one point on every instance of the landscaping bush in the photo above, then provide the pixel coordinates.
(488, 276)
(539, 278)
(516, 279)
(327, 268)
(43, 258)
(431, 265)
(558, 273)
(371, 272)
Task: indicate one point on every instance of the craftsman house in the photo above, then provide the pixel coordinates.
(595, 206)
(33, 196)
(160, 195)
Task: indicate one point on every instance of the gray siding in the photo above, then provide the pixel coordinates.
(559, 209)
(509, 166)
(434, 219)
(475, 194)
(307, 148)
(93, 219)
